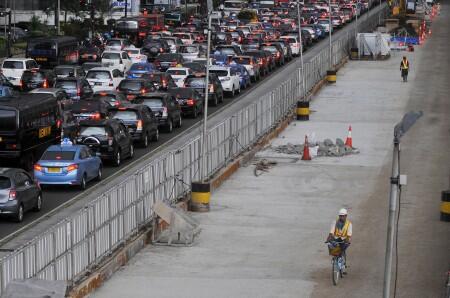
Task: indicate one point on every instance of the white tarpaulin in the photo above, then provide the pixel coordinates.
(373, 44)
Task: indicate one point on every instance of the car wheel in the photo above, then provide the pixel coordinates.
(155, 137)
(38, 205)
(99, 173)
(233, 92)
(131, 151)
(145, 141)
(195, 113)
(216, 101)
(83, 182)
(239, 90)
(117, 158)
(179, 122)
(170, 126)
(18, 217)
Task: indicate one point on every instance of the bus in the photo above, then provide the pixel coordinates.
(234, 6)
(29, 124)
(52, 51)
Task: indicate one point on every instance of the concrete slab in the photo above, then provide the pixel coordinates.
(264, 235)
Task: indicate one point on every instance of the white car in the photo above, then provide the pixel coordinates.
(250, 64)
(189, 52)
(117, 44)
(13, 68)
(186, 37)
(104, 78)
(179, 74)
(117, 59)
(136, 55)
(295, 45)
(228, 78)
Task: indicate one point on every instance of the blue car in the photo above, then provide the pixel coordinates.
(6, 91)
(244, 75)
(137, 70)
(68, 164)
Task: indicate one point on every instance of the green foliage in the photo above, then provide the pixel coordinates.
(36, 24)
(246, 14)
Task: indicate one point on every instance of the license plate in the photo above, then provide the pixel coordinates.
(54, 170)
(41, 59)
(137, 75)
(97, 83)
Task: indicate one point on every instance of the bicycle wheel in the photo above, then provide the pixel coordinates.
(336, 272)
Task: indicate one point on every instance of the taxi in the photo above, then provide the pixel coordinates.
(68, 164)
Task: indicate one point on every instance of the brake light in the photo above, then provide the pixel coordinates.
(251, 62)
(190, 102)
(45, 85)
(278, 54)
(139, 125)
(58, 123)
(164, 114)
(12, 194)
(211, 88)
(38, 167)
(96, 116)
(161, 50)
(72, 167)
(164, 83)
(78, 91)
(143, 91)
(20, 83)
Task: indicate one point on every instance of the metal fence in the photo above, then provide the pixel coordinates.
(77, 244)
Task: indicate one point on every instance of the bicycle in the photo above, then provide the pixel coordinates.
(339, 260)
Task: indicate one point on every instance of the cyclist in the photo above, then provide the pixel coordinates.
(341, 231)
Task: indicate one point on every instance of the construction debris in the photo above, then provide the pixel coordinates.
(325, 148)
(263, 166)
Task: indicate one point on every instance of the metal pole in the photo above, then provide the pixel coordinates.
(379, 14)
(356, 21)
(58, 26)
(205, 112)
(126, 8)
(9, 33)
(391, 220)
(329, 31)
(301, 49)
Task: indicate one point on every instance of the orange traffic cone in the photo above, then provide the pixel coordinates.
(348, 141)
(306, 155)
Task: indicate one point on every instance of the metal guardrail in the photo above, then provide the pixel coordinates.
(77, 244)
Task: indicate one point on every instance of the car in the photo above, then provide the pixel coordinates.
(90, 65)
(36, 78)
(189, 99)
(104, 78)
(228, 50)
(136, 55)
(6, 91)
(293, 41)
(228, 78)
(286, 46)
(60, 95)
(179, 74)
(164, 61)
(243, 74)
(252, 66)
(173, 42)
(134, 87)
(5, 82)
(261, 59)
(276, 50)
(13, 68)
(165, 108)
(161, 80)
(215, 91)
(221, 38)
(64, 71)
(68, 164)
(137, 70)
(140, 121)
(18, 193)
(190, 52)
(90, 109)
(76, 88)
(109, 137)
(89, 54)
(117, 59)
(186, 37)
(155, 47)
(112, 97)
(196, 67)
(117, 44)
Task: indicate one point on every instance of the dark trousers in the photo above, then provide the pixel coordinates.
(405, 74)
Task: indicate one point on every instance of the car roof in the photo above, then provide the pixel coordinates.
(46, 90)
(64, 147)
(9, 171)
(113, 52)
(219, 67)
(100, 69)
(154, 94)
(18, 59)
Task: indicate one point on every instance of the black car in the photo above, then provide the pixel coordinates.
(276, 50)
(215, 91)
(36, 78)
(161, 80)
(221, 38)
(190, 100)
(108, 137)
(70, 125)
(64, 71)
(196, 67)
(5, 82)
(131, 88)
(153, 48)
(90, 54)
(18, 193)
(90, 109)
(140, 121)
(164, 61)
(60, 95)
(164, 106)
(286, 48)
(262, 58)
(114, 98)
(76, 88)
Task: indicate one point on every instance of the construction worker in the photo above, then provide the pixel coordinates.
(341, 230)
(404, 68)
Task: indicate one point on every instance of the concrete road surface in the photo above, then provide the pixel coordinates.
(264, 235)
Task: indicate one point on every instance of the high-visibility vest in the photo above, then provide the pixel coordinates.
(405, 64)
(341, 233)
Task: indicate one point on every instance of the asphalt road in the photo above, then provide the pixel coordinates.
(57, 196)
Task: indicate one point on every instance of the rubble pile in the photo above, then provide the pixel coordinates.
(325, 148)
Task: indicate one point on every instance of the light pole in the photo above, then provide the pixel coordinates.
(301, 49)
(400, 129)
(379, 14)
(329, 32)
(58, 13)
(356, 21)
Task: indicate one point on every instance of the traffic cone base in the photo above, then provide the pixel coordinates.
(306, 155)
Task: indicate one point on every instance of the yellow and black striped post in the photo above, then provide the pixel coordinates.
(303, 110)
(201, 194)
(331, 76)
(445, 206)
(354, 53)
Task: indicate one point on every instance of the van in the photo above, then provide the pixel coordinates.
(13, 68)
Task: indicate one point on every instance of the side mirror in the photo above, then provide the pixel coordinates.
(121, 61)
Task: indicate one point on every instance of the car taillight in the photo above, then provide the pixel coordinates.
(161, 50)
(139, 125)
(95, 116)
(111, 83)
(38, 167)
(164, 83)
(174, 63)
(78, 91)
(143, 91)
(12, 194)
(190, 102)
(110, 140)
(58, 123)
(72, 167)
(45, 85)
(211, 88)
(164, 114)
(20, 83)
(278, 54)
(261, 62)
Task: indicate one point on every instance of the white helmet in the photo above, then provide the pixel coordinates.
(343, 211)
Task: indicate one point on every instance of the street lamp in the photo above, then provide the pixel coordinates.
(329, 32)
(400, 130)
(301, 49)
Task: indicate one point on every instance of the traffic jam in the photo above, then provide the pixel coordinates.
(71, 107)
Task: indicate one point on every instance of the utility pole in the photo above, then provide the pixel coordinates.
(57, 14)
(126, 8)
(301, 49)
(7, 13)
(329, 32)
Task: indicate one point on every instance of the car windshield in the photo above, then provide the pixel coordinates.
(130, 85)
(226, 51)
(133, 52)
(195, 82)
(7, 120)
(181, 92)
(66, 84)
(153, 102)
(58, 155)
(5, 182)
(242, 60)
(188, 50)
(92, 130)
(113, 43)
(112, 56)
(98, 74)
(176, 72)
(167, 57)
(89, 65)
(32, 76)
(140, 67)
(219, 73)
(271, 49)
(64, 71)
(124, 115)
(13, 64)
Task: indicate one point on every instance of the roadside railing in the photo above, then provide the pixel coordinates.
(77, 244)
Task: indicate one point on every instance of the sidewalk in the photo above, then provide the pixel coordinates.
(264, 235)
